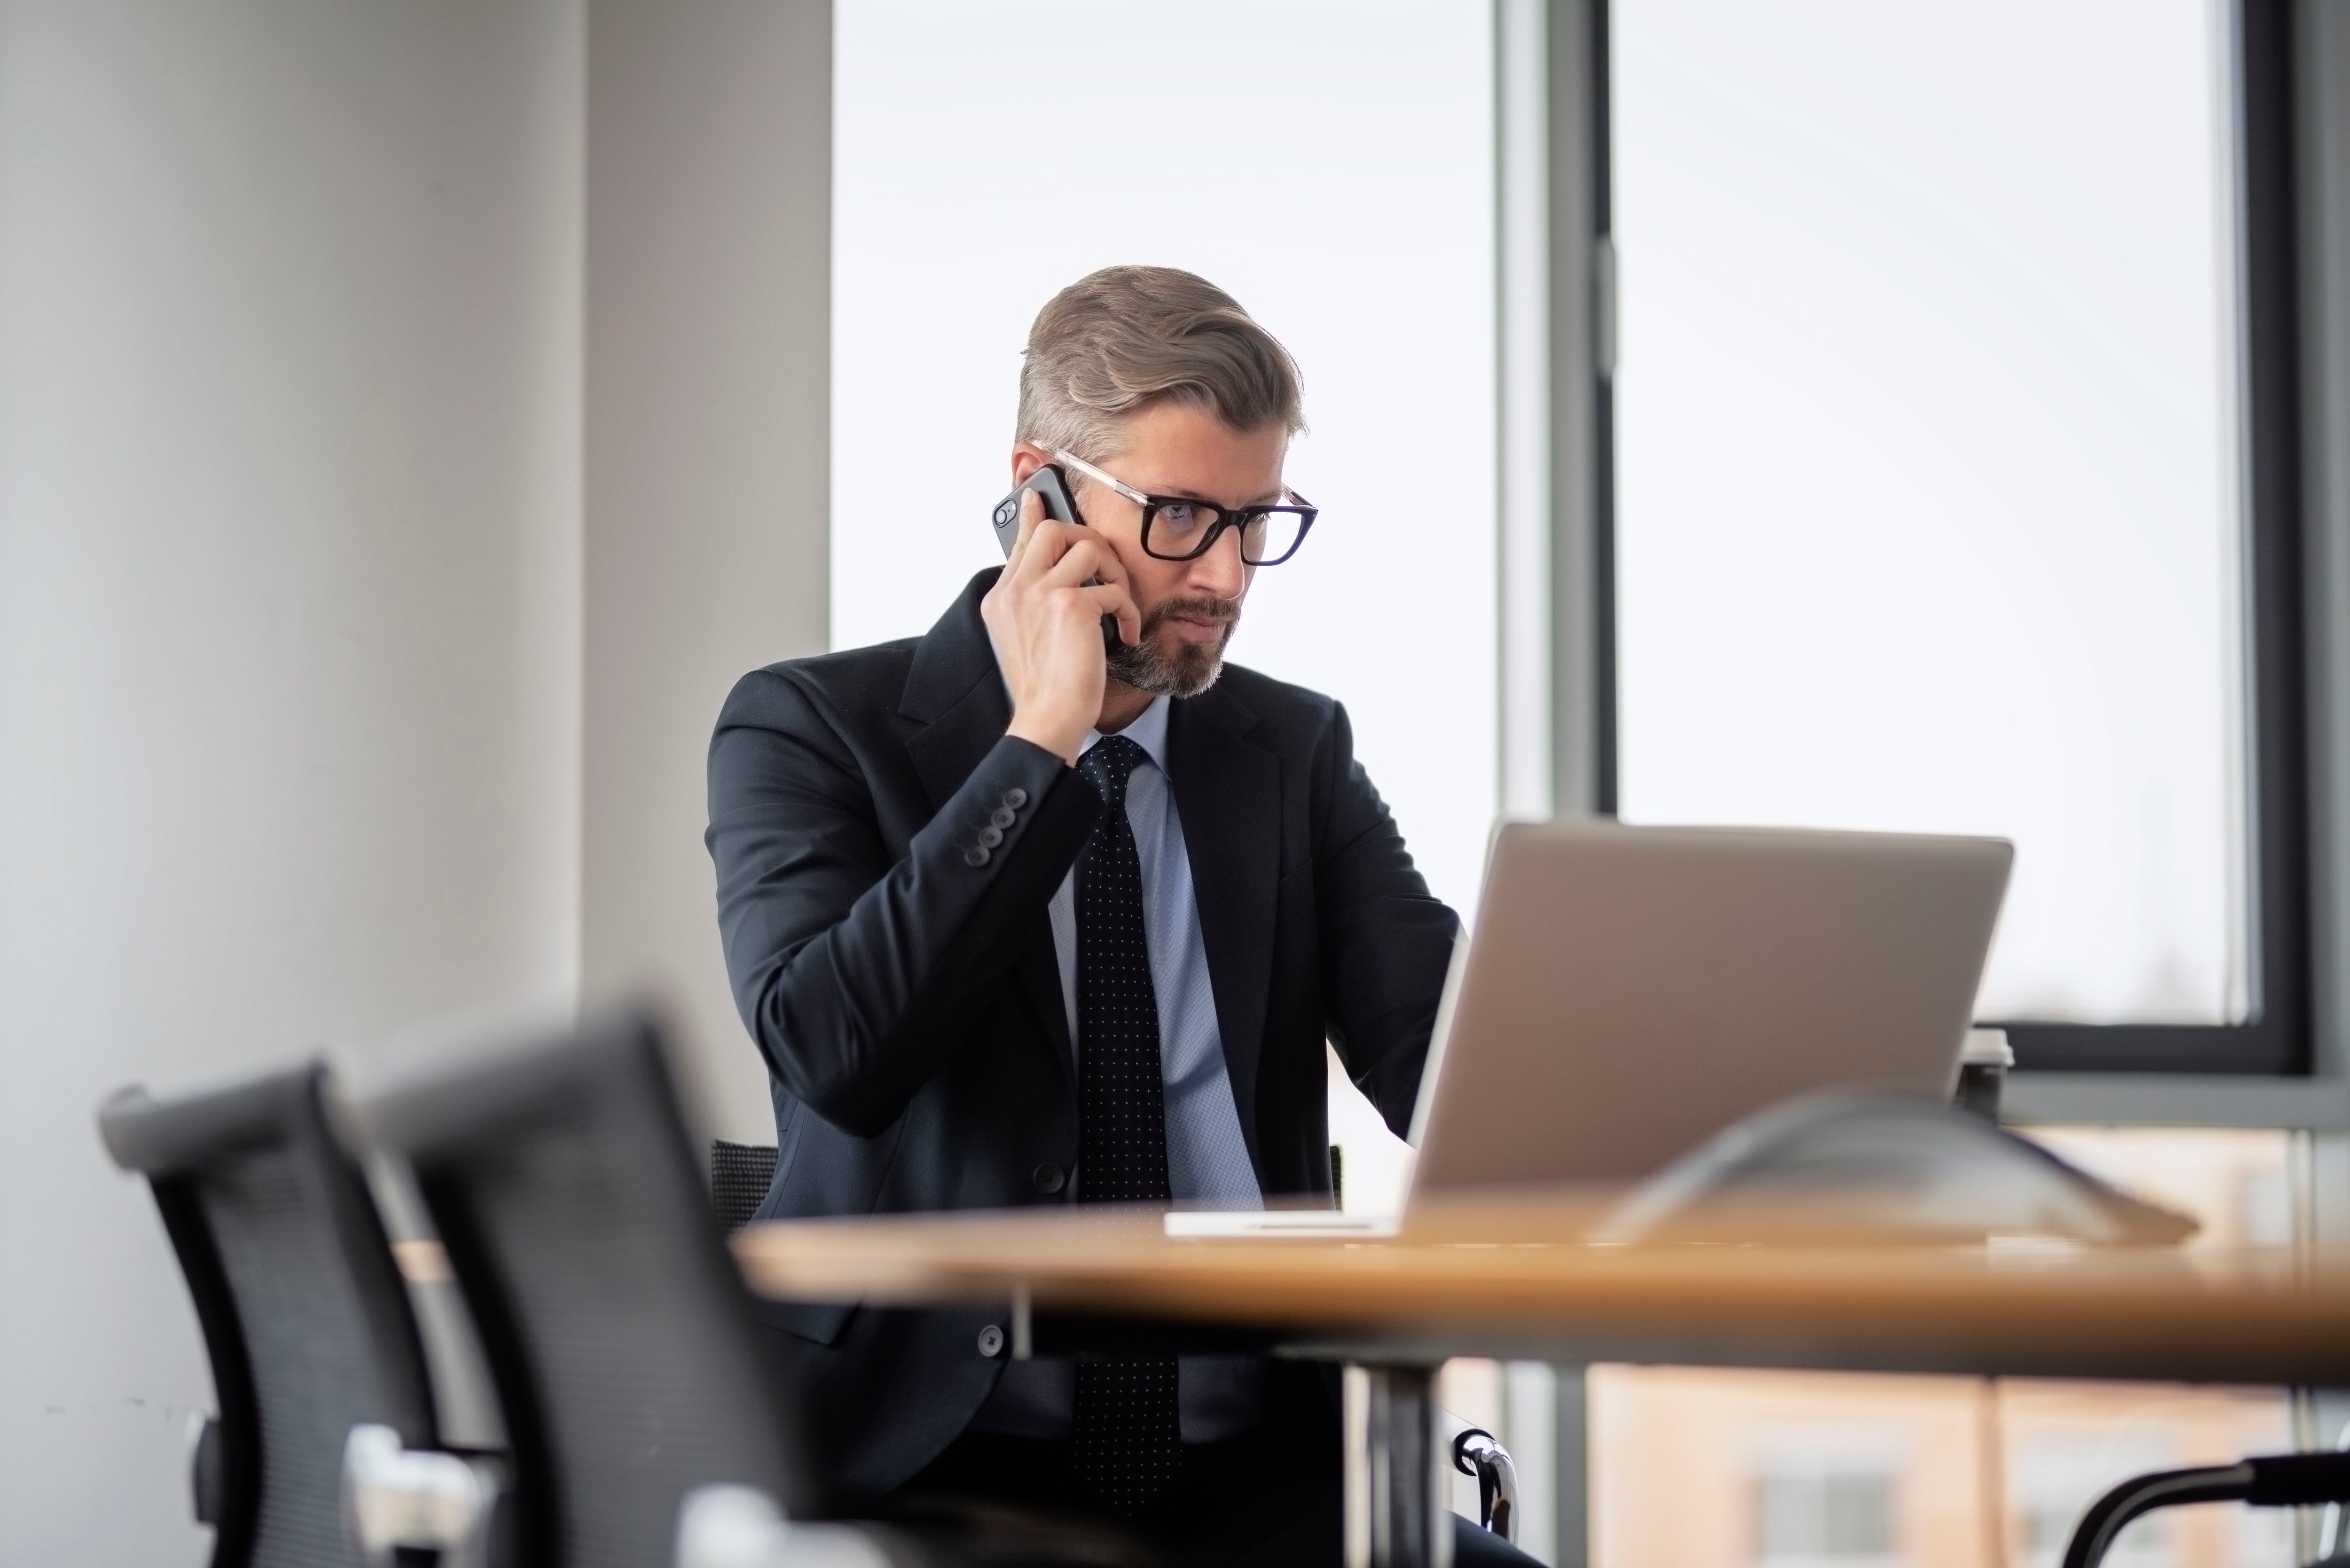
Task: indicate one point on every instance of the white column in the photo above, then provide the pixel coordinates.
(289, 622)
(708, 487)
(1522, 295)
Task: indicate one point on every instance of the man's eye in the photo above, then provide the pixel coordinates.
(1181, 515)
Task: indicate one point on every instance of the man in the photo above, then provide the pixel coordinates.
(1052, 905)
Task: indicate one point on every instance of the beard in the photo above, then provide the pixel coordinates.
(1190, 668)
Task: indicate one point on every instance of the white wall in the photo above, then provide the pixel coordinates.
(289, 622)
(708, 420)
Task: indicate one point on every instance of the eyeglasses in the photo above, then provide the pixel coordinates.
(1180, 528)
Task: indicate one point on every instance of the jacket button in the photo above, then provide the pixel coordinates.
(976, 856)
(991, 1341)
(989, 837)
(1047, 1177)
(1015, 797)
(1002, 817)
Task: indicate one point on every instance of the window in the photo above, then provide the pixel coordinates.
(1328, 163)
(1788, 1470)
(1944, 489)
(1825, 1500)
(2053, 1480)
(1962, 1470)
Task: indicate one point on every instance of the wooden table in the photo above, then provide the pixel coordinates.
(1505, 1276)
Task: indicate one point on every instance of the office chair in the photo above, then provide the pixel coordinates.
(314, 1345)
(647, 1424)
(739, 1175)
(2274, 1480)
(1477, 1452)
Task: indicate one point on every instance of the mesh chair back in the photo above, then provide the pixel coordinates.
(622, 1340)
(739, 1175)
(305, 1316)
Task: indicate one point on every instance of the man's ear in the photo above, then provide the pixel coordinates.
(1027, 457)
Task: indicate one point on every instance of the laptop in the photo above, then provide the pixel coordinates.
(1631, 991)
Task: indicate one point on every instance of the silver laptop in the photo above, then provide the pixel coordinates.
(1631, 991)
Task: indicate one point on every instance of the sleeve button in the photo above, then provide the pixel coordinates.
(977, 855)
(991, 1341)
(990, 837)
(1015, 797)
(1002, 817)
(1047, 1178)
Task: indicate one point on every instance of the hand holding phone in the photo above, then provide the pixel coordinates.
(1061, 585)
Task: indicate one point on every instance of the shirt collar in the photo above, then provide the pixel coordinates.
(1149, 730)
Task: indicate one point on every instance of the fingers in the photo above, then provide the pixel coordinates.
(1063, 554)
(1083, 560)
(1032, 513)
(1112, 599)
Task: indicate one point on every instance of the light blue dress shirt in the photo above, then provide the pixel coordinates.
(1207, 1158)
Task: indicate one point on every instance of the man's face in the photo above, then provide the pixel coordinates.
(1189, 607)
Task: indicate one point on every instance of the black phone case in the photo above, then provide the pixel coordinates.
(1048, 482)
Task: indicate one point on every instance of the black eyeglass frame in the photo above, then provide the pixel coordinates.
(1304, 510)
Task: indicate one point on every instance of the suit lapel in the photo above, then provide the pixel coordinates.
(947, 749)
(953, 691)
(1228, 796)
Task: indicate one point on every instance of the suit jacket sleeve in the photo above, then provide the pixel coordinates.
(1386, 941)
(855, 972)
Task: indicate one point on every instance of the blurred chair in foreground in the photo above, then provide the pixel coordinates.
(316, 1357)
(647, 1425)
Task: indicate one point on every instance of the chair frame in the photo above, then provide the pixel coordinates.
(173, 1143)
(2271, 1480)
(437, 1127)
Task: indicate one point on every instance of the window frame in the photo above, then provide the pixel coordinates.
(2276, 1039)
(2282, 1065)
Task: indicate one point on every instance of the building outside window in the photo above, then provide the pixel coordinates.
(1826, 1497)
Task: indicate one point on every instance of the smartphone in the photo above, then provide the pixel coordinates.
(1048, 482)
(1051, 484)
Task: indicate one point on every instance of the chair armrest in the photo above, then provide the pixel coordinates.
(396, 1497)
(2143, 1495)
(2270, 1481)
(207, 1478)
(741, 1527)
(1477, 1452)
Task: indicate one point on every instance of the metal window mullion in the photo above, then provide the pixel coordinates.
(1581, 412)
(2322, 60)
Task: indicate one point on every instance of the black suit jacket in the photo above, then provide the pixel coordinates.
(898, 971)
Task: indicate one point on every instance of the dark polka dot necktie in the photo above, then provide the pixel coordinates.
(1126, 1432)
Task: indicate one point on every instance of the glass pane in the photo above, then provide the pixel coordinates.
(1708, 1468)
(987, 155)
(1787, 1469)
(1928, 508)
(1271, 536)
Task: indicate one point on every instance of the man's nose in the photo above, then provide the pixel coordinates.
(1220, 572)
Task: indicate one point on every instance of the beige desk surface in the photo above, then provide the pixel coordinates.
(1480, 1279)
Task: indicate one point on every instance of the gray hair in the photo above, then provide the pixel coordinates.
(1124, 338)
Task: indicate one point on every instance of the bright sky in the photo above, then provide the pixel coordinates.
(1327, 161)
(1927, 505)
